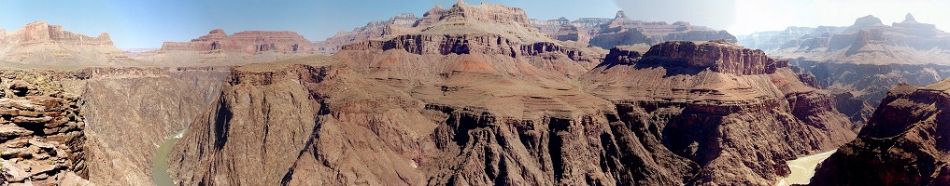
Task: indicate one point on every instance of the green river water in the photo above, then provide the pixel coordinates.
(160, 174)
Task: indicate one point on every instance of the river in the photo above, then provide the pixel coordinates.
(160, 174)
(803, 168)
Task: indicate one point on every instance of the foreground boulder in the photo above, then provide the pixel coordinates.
(906, 142)
(42, 136)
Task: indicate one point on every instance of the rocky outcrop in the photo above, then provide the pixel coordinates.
(904, 143)
(42, 133)
(619, 31)
(250, 42)
(718, 56)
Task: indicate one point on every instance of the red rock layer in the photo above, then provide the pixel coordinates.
(41, 32)
(244, 42)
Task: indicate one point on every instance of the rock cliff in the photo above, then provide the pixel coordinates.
(42, 44)
(42, 132)
(904, 143)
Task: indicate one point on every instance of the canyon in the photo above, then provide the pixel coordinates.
(479, 95)
(904, 142)
(483, 107)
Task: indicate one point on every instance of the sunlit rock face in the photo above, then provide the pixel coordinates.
(44, 44)
(245, 42)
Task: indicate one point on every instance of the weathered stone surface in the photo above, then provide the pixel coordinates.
(12, 131)
(904, 143)
(42, 148)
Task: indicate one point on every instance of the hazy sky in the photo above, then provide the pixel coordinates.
(147, 23)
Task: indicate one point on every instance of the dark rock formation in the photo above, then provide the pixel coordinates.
(132, 110)
(904, 143)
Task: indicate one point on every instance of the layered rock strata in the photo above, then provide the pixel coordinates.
(461, 119)
(249, 42)
(733, 121)
(42, 133)
(43, 44)
(904, 143)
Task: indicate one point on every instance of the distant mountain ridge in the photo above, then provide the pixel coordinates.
(41, 43)
(867, 41)
(602, 32)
